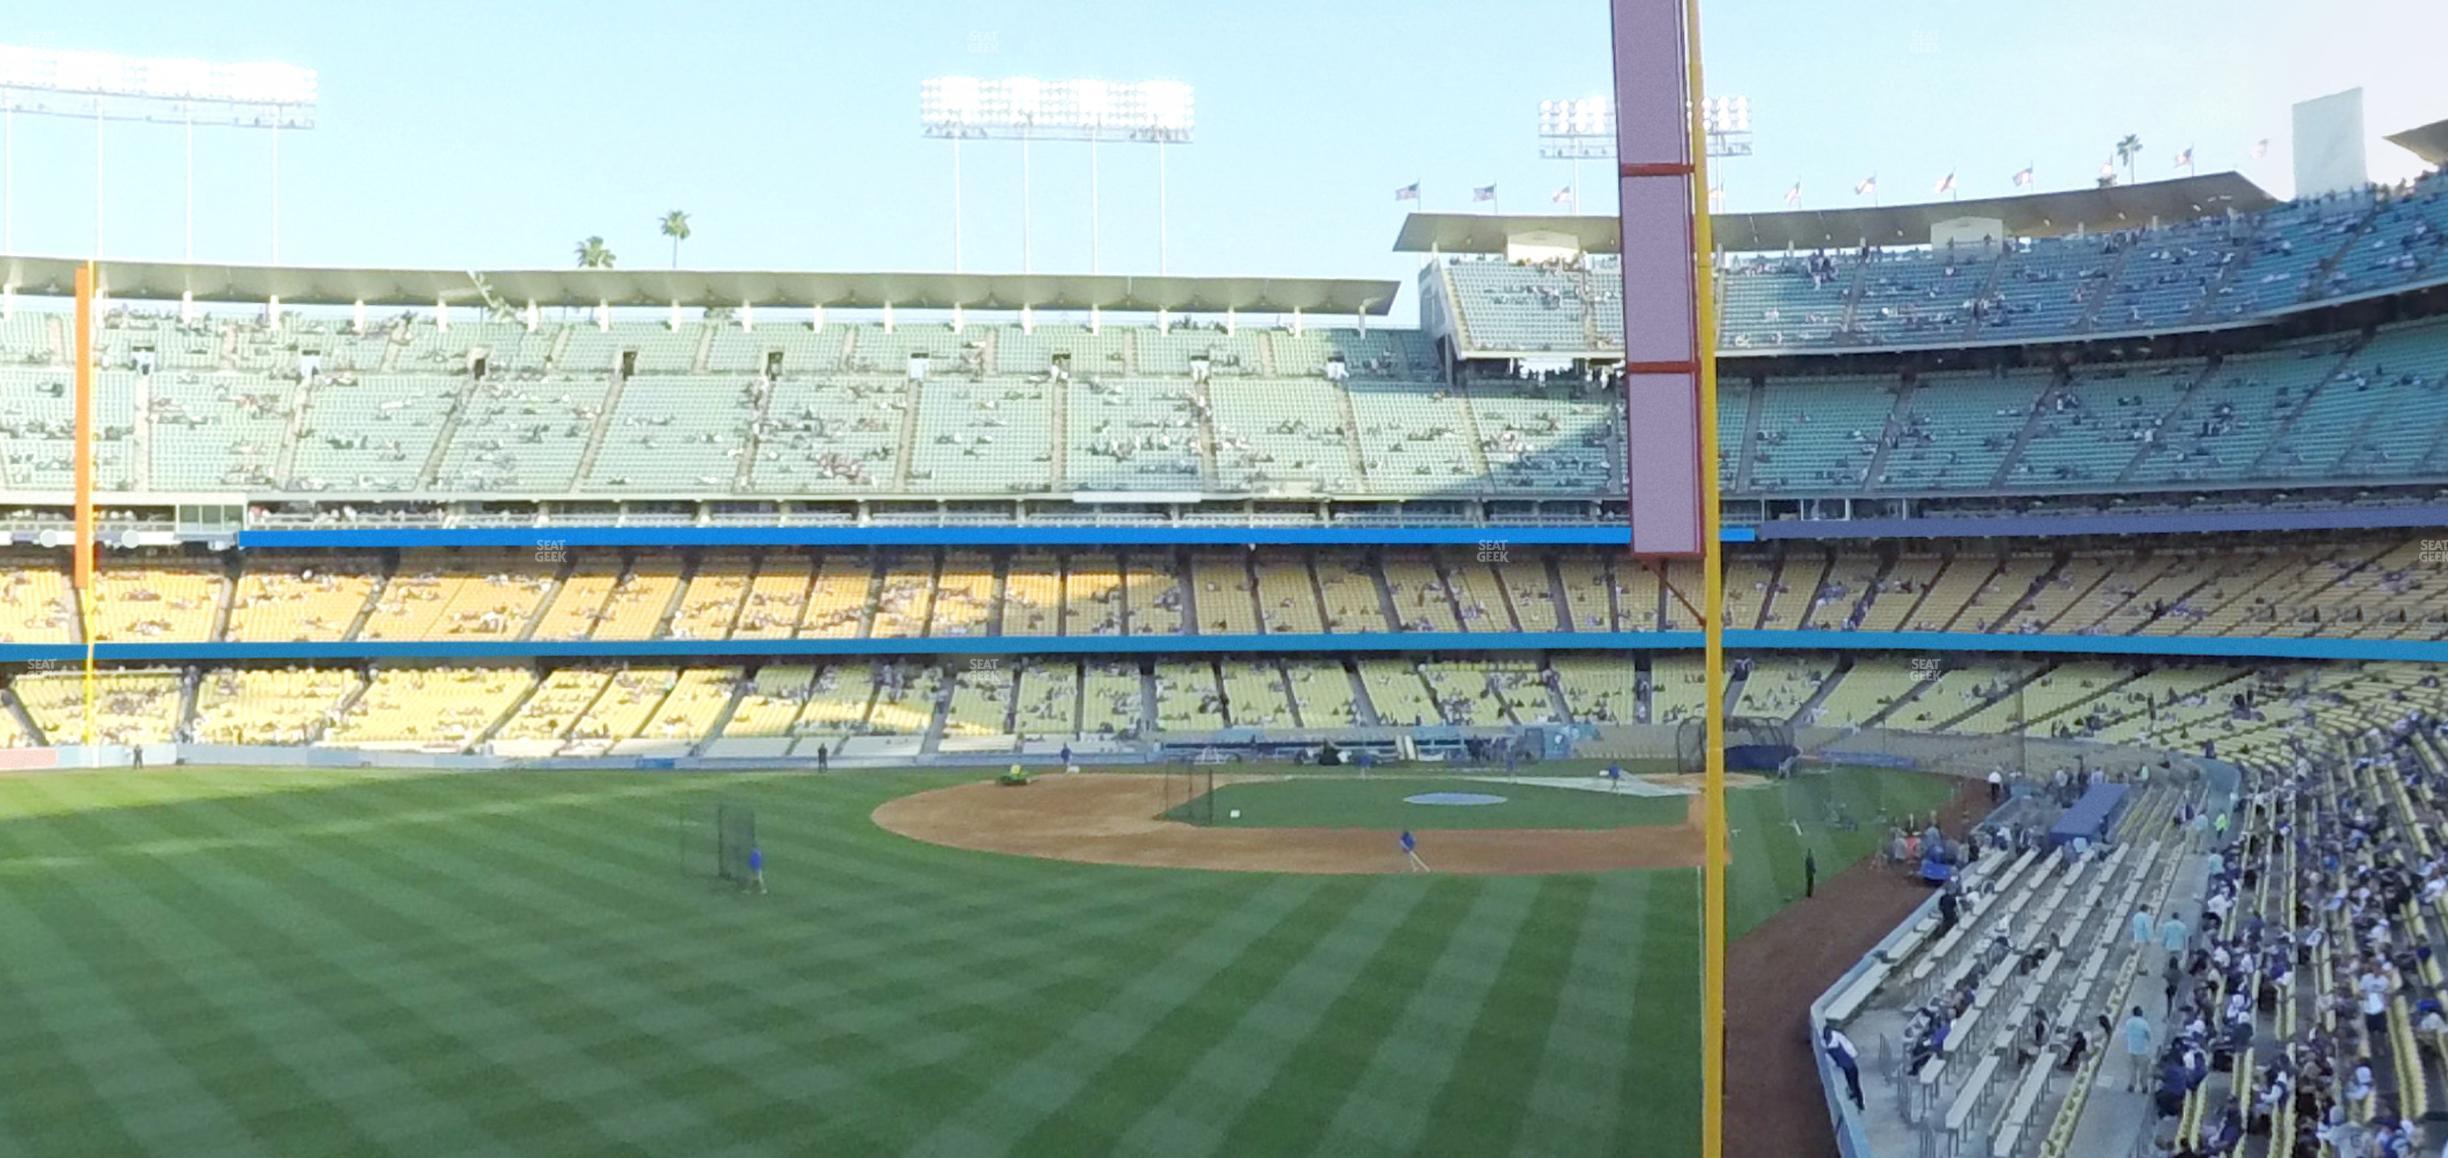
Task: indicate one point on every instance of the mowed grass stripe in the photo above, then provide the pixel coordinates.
(140, 932)
(65, 1073)
(1305, 1084)
(1658, 1095)
(149, 1087)
(1010, 992)
(1031, 1093)
(522, 1050)
(1485, 1095)
(1381, 1112)
(447, 983)
(537, 1058)
(324, 1064)
(48, 1104)
(991, 993)
(1570, 1106)
(543, 941)
(137, 1089)
(1208, 1084)
(997, 1004)
(689, 987)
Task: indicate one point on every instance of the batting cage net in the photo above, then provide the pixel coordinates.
(1190, 787)
(734, 836)
(1752, 745)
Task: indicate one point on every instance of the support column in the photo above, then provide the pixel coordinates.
(442, 314)
(276, 187)
(82, 567)
(190, 184)
(97, 181)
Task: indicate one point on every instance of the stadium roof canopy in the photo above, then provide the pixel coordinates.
(2429, 142)
(2033, 215)
(159, 281)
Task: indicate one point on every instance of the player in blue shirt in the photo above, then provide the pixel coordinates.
(756, 868)
(1410, 847)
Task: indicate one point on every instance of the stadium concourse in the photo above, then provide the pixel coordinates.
(2148, 504)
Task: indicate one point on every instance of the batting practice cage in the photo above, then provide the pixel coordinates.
(1189, 792)
(1752, 745)
(734, 836)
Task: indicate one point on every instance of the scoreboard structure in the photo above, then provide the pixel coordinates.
(1664, 356)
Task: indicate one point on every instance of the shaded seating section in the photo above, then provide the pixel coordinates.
(303, 410)
(2367, 585)
(2170, 274)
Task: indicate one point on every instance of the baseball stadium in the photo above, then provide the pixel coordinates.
(1940, 679)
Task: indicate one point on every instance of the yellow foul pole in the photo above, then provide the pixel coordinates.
(1712, 623)
(81, 571)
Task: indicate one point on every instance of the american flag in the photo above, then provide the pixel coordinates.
(1408, 192)
(2184, 160)
(1484, 193)
(1563, 195)
(2260, 148)
(1868, 186)
(2023, 179)
(1946, 184)
(1793, 196)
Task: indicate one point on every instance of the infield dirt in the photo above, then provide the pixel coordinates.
(1114, 819)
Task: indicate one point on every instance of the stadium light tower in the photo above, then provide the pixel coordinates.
(958, 108)
(159, 90)
(1584, 130)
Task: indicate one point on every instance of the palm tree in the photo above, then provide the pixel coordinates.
(2126, 151)
(594, 254)
(675, 226)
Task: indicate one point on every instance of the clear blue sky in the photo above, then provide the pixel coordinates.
(463, 134)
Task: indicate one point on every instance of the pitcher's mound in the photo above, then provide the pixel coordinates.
(1113, 819)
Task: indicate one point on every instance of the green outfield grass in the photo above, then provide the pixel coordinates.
(1378, 802)
(311, 962)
